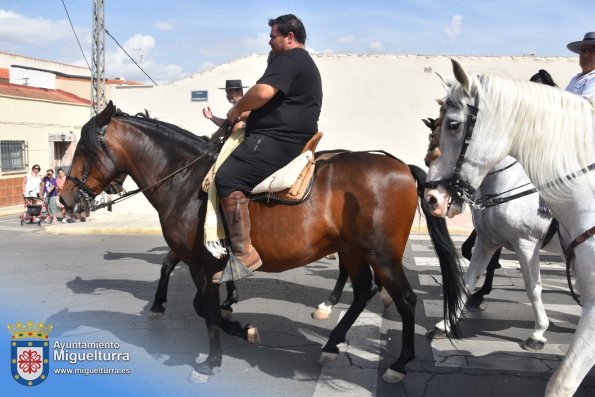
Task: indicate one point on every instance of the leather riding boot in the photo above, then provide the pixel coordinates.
(237, 218)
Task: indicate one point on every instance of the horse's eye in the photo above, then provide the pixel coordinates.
(453, 125)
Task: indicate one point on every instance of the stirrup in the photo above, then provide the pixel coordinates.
(234, 270)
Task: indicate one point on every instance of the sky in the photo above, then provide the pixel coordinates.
(174, 39)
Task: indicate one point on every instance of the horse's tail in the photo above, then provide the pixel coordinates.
(453, 286)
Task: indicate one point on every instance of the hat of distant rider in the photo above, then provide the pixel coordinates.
(233, 85)
(575, 46)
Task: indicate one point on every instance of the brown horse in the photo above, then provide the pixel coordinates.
(362, 206)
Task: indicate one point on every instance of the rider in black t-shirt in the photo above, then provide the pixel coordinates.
(284, 108)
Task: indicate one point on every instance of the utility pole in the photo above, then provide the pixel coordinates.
(98, 59)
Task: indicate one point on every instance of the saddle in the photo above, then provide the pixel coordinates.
(292, 183)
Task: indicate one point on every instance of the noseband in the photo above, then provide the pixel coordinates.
(456, 186)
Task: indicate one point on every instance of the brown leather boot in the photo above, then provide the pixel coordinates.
(237, 218)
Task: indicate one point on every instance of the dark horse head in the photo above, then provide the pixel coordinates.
(100, 164)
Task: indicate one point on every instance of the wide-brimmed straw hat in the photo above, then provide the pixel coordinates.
(233, 85)
(575, 46)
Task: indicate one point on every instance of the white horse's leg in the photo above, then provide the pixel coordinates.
(482, 253)
(580, 357)
(528, 254)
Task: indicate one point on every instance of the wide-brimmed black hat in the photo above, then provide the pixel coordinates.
(575, 46)
(233, 85)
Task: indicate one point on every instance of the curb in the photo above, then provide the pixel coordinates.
(13, 210)
(68, 229)
(452, 231)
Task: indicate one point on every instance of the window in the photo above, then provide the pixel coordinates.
(13, 156)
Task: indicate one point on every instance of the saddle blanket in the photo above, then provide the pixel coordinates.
(286, 177)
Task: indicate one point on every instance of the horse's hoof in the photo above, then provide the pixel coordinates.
(226, 314)
(328, 357)
(252, 335)
(392, 376)
(435, 333)
(532, 344)
(322, 312)
(155, 316)
(197, 377)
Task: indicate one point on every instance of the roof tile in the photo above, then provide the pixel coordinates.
(40, 93)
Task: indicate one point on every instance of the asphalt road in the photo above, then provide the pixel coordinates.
(98, 288)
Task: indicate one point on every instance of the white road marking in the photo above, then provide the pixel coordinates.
(355, 371)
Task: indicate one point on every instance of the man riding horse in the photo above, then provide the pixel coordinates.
(284, 108)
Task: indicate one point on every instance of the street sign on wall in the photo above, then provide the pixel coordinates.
(199, 96)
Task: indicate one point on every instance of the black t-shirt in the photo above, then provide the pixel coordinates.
(292, 114)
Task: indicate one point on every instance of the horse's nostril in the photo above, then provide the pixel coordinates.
(431, 200)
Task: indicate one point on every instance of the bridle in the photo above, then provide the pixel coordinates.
(456, 186)
(84, 191)
(88, 195)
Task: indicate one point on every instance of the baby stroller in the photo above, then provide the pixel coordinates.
(33, 212)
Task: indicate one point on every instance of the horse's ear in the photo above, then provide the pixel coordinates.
(460, 75)
(427, 122)
(103, 118)
(444, 83)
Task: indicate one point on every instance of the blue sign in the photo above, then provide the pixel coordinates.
(199, 96)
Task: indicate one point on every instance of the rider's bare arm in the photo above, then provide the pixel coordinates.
(255, 98)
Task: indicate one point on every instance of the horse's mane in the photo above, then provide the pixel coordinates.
(145, 120)
(173, 139)
(551, 131)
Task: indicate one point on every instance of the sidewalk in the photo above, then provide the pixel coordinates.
(108, 223)
(105, 222)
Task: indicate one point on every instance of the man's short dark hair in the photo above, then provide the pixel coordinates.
(290, 23)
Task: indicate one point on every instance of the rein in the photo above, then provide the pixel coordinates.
(492, 200)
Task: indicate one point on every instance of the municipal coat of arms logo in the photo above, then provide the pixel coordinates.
(29, 352)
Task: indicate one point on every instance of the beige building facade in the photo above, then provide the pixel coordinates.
(43, 105)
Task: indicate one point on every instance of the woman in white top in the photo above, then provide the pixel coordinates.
(32, 183)
(32, 186)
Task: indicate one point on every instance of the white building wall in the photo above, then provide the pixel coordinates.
(35, 121)
(32, 78)
(370, 101)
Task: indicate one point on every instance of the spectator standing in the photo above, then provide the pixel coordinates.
(60, 180)
(50, 194)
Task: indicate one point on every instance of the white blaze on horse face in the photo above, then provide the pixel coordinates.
(451, 139)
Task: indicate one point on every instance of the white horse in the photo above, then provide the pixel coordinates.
(517, 225)
(552, 134)
(509, 215)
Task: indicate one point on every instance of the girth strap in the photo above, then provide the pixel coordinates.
(569, 254)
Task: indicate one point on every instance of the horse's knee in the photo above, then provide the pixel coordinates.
(407, 302)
